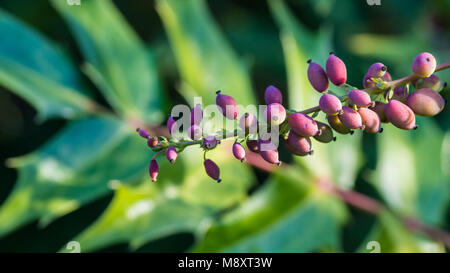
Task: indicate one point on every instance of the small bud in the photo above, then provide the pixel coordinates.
(273, 95)
(370, 120)
(400, 115)
(379, 109)
(377, 70)
(275, 114)
(227, 106)
(152, 142)
(212, 170)
(248, 123)
(239, 151)
(298, 145)
(268, 152)
(424, 65)
(195, 132)
(153, 170)
(143, 133)
(337, 125)
(336, 70)
(317, 77)
(303, 125)
(359, 98)
(196, 115)
(330, 104)
(350, 118)
(210, 142)
(400, 94)
(252, 145)
(426, 102)
(170, 124)
(171, 154)
(326, 135)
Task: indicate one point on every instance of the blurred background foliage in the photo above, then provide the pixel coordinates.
(72, 171)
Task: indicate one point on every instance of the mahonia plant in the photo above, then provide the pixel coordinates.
(381, 101)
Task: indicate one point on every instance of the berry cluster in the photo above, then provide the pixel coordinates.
(382, 101)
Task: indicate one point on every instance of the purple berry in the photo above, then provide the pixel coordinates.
(275, 114)
(317, 77)
(268, 152)
(350, 118)
(195, 132)
(400, 115)
(153, 169)
(336, 70)
(377, 70)
(212, 170)
(400, 94)
(239, 151)
(426, 102)
(326, 134)
(379, 109)
(196, 115)
(360, 98)
(424, 65)
(248, 123)
(330, 104)
(337, 125)
(370, 120)
(303, 125)
(227, 106)
(367, 82)
(170, 124)
(152, 142)
(171, 154)
(143, 133)
(433, 82)
(252, 145)
(387, 77)
(273, 95)
(298, 145)
(210, 142)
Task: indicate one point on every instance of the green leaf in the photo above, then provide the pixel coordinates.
(75, 167)
(36, 70)
(118, 62)
(205, 59)
(340, 160)
(410, 174)
(287, 214)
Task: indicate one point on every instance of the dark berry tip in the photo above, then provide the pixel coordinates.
(137, 129)
(445, 101)
(428, 59)
(445, 84)
(384, 68)
(219, 180)
(381, 130)
(279, 163)
(309, 61)
(331, 53)
(334, 138)
(243, 160)
(311, 152)
(218, 92)
(416, 127)
(352, 132)
(246, 115)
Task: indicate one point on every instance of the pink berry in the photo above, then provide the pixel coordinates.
(195, 132)
(153, 170)
(268, 152)
(298, 145)
(424, 65)
(433, 82)
(336, 70)
(273, 95)
(387, 77)
(426, 102)
(400, 115)
(143, 133)
(196, 115)
(212, 170)
(239, 151)
(370, 120)
(377, 70)
(317, 77)
(360, 98)
(379, 109)
(275, 114)
(330, 104)
(248, 123)
(171, 154)
(227, 106)
(152, 142)
(350, 118)
(303, 125)
(210, 142)
(400, 94)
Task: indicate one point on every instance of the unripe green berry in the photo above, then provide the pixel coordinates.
(326, 133)
(426, 102)
(317, 77)
(424, 65)
(400, 115)
(337, 125)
